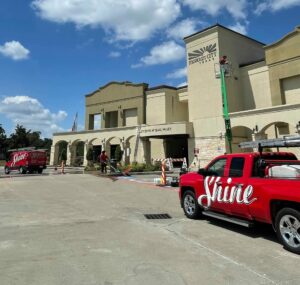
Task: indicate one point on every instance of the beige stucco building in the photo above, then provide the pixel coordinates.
(263, 86)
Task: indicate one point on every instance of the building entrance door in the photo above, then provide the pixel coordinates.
(176, 147)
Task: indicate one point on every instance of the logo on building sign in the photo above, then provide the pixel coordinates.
(203, 55)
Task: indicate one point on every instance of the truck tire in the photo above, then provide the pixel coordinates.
(287, 226)
(40, 171)
(6, 170)
(190, 204)
(23, 170)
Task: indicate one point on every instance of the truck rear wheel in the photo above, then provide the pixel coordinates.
(40, 171)
(191, 207)
(23, 170)
(287, 225)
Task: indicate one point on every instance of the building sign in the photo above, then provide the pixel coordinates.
(203, 55)
(156, 130)
(165, 130)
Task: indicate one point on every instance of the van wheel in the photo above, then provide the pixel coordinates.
(6, 170)
(191, 207)
(288, 229)
(23, 170)
(40, 171)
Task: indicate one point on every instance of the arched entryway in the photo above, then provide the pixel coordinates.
(239, 134)
(77, 153)
(129, 149)
(111, 146)
(60, 146)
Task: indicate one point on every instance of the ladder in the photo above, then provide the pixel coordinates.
(137, 142)
(288, 141)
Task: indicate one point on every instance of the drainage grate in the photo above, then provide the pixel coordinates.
(157, 216)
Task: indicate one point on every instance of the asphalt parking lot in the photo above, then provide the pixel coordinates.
(82, 229)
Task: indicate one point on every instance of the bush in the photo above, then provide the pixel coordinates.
(137, 167)
(153, 167)
(140, 167)
(89, 168)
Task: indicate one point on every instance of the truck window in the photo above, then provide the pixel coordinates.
(237, 167)
(218, 167)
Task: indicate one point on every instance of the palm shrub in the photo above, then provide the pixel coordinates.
(89, 157)
(118, 154)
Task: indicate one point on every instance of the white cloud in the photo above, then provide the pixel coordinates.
(275, 5)
(165, 53)
(238, 27)
(183, 29)
(237, 8)
(178, 73)
(182, 84)
(30, 113)
(131, 20)
(114, 54)
(14, 50)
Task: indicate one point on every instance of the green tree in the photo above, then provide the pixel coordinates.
(3, 143)
(19, 138)
(34, 139)
(118, 153)
(3, 138)
(47, 143)
(89, 156)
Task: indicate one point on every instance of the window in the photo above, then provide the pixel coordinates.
(97, 121)
(218, 167)
(130, 117)
(111, 119)
(237, 167)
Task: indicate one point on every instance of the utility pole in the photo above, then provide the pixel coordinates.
(224, 65)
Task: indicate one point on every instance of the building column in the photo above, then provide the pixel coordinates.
(85, 149)
(123, 149)
(52, 155)
(146, 150)
(259, 136)
(69, 153)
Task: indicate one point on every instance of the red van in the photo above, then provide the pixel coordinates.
(27, 160)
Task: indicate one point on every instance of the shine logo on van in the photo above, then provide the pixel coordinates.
(18, 157)
(214, 192)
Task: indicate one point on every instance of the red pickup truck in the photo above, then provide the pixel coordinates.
(26, 160)
(248, 187)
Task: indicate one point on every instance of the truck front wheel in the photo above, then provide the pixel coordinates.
(6, 170)
(191, 207)
(287, 225)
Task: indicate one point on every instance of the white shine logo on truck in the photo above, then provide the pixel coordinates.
(229, 194)
(19, 157)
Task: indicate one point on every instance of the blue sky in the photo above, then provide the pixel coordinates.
(53, 52)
